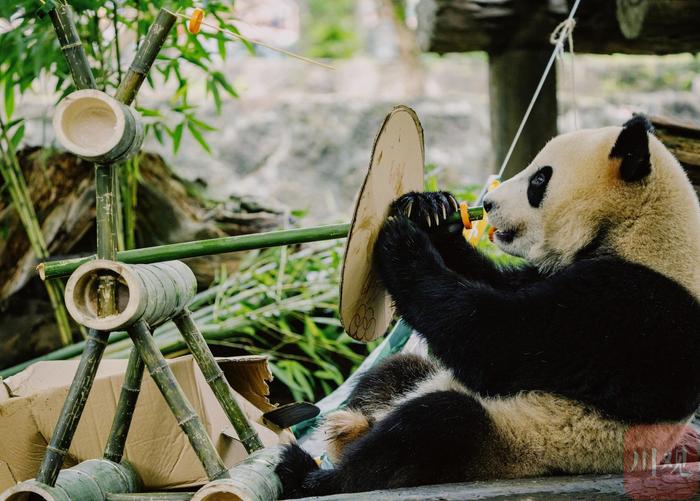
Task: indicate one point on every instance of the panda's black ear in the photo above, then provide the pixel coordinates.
(632, 148)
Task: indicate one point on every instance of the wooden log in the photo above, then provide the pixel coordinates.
(513, 77)
(603, 26)
(682, 138)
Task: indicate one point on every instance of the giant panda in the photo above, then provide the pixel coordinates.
(556, 366)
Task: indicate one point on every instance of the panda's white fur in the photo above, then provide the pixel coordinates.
(653, 222)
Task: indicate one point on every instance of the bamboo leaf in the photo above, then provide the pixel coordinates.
(9, 98)
(197, 135)
(177, 136)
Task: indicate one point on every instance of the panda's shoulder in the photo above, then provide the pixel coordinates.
(624, 281)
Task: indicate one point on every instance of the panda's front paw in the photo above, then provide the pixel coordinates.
(403, 253)
(428, 210)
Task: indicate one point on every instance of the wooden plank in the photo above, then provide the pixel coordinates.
(666, 484)
(682, 138)
(603, 26)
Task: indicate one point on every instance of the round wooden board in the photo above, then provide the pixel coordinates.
(396, 167)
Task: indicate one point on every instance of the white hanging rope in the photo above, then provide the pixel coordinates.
(564, 35)
(565, 30)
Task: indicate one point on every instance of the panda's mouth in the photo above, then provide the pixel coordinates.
(505, 235)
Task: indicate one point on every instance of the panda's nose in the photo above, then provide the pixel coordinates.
(488, 205)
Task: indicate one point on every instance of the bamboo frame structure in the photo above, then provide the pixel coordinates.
(105, 186)
(186, 417)
(64, 267)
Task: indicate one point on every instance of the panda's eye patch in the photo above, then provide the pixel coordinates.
(537, 185)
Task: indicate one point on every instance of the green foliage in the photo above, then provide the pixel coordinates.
(331, 32)
(649, 75)
(30, 51)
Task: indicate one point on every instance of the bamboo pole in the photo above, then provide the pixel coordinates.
(216, 380)
(72, 407)
(62, 18)
(126, 405)
(146, 55)
(64, 26)
(64, 267)
(171, 390)
(11, 171)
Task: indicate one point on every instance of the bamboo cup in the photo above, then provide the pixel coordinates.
(97, 127)
(149, 292)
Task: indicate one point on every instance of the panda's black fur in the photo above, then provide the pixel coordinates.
(630, 351)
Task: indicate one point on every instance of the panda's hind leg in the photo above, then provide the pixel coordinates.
(438, 437)
(373, 395)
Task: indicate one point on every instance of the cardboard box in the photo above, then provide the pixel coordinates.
(30, 403)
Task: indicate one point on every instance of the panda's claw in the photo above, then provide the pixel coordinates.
(429, 210)
(453, 200)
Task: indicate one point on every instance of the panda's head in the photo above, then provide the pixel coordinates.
(615, 190)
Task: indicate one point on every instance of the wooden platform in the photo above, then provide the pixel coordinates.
(594, 487)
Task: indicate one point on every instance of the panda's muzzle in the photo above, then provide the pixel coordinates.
(506, 236)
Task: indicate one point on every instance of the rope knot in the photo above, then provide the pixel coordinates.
(564, 31)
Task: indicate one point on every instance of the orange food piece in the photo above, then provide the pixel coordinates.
(196, 19)
(464, 214)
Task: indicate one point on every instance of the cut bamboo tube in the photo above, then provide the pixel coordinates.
(216, 380)
(96, 127)
(149, 292)
(253, 479)
(90, 480)
(72, 407)
(114, 450)
(171, 390)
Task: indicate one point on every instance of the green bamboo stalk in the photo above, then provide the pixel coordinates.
(152, 496)
(61, 268)
(171, 390)
(146, 55)
(216, 380)
(11, 171)
(125, 407)
(72, 407)
(73, 50)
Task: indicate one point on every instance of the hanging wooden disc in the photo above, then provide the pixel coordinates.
(396, 167)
